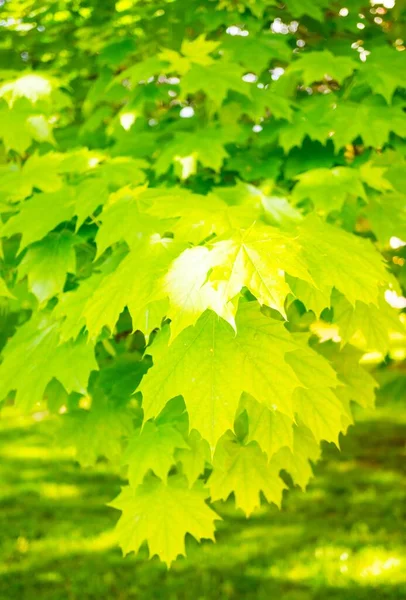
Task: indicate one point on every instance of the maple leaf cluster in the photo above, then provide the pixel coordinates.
(197, 210)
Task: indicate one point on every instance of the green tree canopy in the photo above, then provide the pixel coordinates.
(203, 215)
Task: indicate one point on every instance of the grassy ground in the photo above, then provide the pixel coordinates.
(344, 539)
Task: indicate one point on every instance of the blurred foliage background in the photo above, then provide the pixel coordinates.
(342, 539)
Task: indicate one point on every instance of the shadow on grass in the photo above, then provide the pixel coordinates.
(343, 539)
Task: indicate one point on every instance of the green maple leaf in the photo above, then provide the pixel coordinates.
(197, 217)
(43, 172)
(96, 432)
(149, 261)
(373, 122)
(215, 80)
(38, 172)
(312, 8)
(255, 52)
(297, 461)
(244, 471)
(358, 384)
(34, 356)
(56, 396)
(124, 207)
(11, 187)
(314, 298)
(279, 212)
(375, 176)
(328, 188)
(194, 457)
(383, 71)
(141, 71)
(181, 510)
(309, 122)
(387, 215)
(117, 380)
(79, 353)
(324, 117)
(316, 403)
(47, 262)
(195, 51)
(79, 161)
(201, 362)
(395, 173)
(118, 171)
(89, 195)
(205, 146)
(101, 430)
(366, 326)
(21, 126)
(263, 102)
(17, 135)
(189, 292)
(350, 264)
(36, 88)
(71, 305)
(152, 448)
(271, 429)
(316, 66)
(257, 258)
(198, 365)
(39, 215)
(198, 50)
